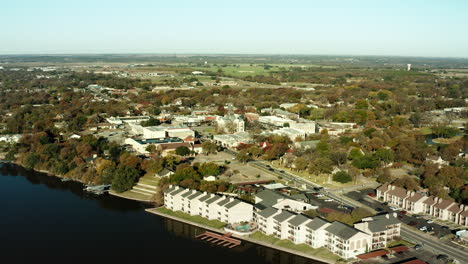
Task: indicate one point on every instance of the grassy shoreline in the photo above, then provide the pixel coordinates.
(318, 254)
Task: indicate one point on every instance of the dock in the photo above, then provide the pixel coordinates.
(221, 240)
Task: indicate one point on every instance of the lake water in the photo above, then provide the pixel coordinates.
(45, 220)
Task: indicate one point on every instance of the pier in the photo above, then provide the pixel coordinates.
(221, 240)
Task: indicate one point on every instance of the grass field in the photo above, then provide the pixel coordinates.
(192, 218)
(249, 69)
(319, 252)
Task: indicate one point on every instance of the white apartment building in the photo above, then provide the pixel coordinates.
(315, 232)
(211, 206)
(384, 228)
(296, 228)
(264, 218)
(280, 224)
(346, 241)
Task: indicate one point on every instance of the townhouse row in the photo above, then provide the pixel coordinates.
(214, 207)
(341, 239)
(418, 203)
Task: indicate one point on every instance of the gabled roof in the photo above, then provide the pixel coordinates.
(443, 204)
(455, 208)
(269, 211)
(383, 187)
(398, 192)
(224, 201)
(429, 201)
(170, 189)
(379, 223)
(204, 198)
(416, 197)
(177, 191)
(164, 172)
(284, 215)
(298, 220)
(190, 192)
(269, 198)
(341, 230)
(195, 195)
(316, 223)
(212, 200)
(232, 204)
(299, 196)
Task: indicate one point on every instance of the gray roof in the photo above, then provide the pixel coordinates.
(232, 204)
(170, 189)
(268, 212)
(283, 216)
(298, 220)
(268, 197)
(177, 191)
(224, 201)
(316, 223)
(212, 200)
(195, 195)
(164, 172)
(204, 198)
(379, 223)
(299, 196)
(341, 230)
(190, 192)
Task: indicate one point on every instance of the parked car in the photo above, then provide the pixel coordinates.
(318, 195)
(282, 171)
(430, 221)
(412, 223)
(328, 200)
(442, 257)
(379, 209)
(423, 228)
(418, 247)
(416, 216)
(393, 208)
(403, 212)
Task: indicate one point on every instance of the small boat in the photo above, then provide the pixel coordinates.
(65, 179)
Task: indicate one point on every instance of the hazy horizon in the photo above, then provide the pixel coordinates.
(335, 28)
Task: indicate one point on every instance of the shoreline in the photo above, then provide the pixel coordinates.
(61, 177)
(250, 240)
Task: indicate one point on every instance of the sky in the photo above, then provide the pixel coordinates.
(329, 27)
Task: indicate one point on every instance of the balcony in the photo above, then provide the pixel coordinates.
(278, 228)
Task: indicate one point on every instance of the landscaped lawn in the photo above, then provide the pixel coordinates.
(399, 242)
(319, 252)
(192, 218)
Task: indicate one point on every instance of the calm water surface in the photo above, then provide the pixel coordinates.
(44, 220)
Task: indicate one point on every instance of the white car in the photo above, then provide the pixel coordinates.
(328, 200)
(393, 208)
(423, 228)
(429, 221)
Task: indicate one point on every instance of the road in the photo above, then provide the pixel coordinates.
(430, 243)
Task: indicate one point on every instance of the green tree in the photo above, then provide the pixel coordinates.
(182, 151)
(209, 147)
(209, 169)
(384, 155)
(320, 165)
(124, 178)
(300, 164)
(342, 177)
(31, 160)
(243, 156)
(151, 122)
